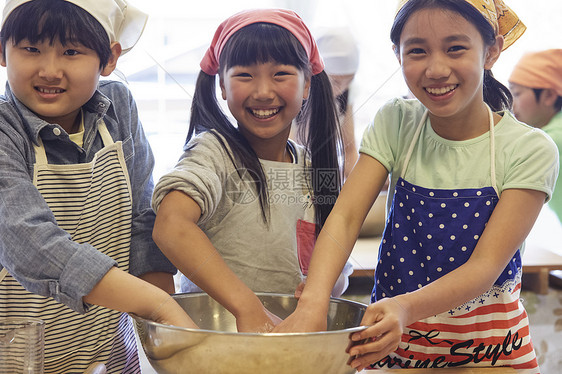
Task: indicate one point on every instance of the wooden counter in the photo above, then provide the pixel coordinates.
(537, 265)
(364, 256)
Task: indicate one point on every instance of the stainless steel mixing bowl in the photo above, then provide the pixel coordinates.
(217, 348)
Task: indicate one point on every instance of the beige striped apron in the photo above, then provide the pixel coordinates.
(92, 202)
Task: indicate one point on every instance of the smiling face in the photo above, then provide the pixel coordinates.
(443, 58)
(264, 98)
(53, 80)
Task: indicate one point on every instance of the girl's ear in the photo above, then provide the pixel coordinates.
(223, 90)
(396, 51)
(306, 91)
(112, 62)
(493, 53)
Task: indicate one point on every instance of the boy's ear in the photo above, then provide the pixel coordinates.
(493, 53)
(549, 97)
(2, 59)
(112, 62)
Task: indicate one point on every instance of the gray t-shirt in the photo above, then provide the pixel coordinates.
(264, 257)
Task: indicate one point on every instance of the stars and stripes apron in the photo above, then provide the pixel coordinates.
(92, 202)
(429, 233)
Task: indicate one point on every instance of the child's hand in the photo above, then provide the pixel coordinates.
(303, 320)
(263, 321)
(170, 313)
(386, 320)
(298, 291)
(119, 290)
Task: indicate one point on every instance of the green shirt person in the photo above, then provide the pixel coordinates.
(536, 84)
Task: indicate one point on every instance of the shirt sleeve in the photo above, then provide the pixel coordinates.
(533, 163)
(33, 248)
(201, 174)
(381, 139)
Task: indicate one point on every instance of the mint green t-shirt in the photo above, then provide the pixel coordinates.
(525, 157)
(554, 130)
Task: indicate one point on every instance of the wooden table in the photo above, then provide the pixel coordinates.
(543, 252)
(364, 256)
(537, 265)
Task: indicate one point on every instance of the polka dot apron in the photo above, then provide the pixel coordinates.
(429, 233)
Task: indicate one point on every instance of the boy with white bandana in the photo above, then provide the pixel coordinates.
(75, 186)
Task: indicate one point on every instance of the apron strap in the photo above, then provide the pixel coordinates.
(492, 151)
(3, 274)
(105, 135)
(41, 156)
(413, 143)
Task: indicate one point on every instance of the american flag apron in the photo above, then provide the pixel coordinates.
(429, 233)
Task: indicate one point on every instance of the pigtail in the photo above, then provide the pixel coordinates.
(324, 145)
(496, 95)
(205, 109)
(206, 115)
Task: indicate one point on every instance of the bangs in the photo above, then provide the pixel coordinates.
(463, 8)
(263, 42)
(56, 21)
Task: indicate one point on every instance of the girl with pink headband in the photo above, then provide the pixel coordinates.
(241, 211)
(467, 182)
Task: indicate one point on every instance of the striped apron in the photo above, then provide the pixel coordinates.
(429, 233)
(92, 202)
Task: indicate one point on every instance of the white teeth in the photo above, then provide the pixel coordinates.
(49, 90)
(441, 90)
(264, 113)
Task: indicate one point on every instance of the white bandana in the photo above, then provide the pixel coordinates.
(122, 22)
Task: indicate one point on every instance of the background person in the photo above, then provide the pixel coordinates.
(536, 84)
(340, 53)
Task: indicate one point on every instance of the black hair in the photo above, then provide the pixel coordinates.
(496, 95)
(342, 100)
(557, 103)
(56, 20)
(260, 43)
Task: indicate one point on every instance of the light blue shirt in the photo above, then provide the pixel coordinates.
(33, 248)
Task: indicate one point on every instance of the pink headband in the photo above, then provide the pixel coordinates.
(281, 17)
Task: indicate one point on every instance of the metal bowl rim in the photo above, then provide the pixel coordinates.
(261, 334)
(268, 334)
(280, 295)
